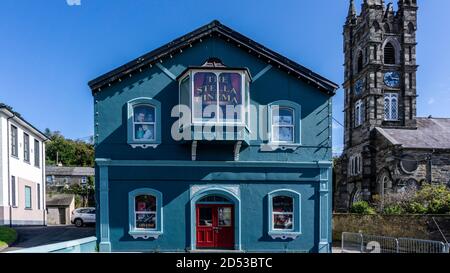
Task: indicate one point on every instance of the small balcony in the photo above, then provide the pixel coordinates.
(214, 103)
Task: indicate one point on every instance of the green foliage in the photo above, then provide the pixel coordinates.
(7, 236)
(362, 207)
(416, 208)
(430, 199)
(435, 198)
(393, 210)
(82, 193)
(69, 152)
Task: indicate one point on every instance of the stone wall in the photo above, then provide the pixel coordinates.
(409, 226)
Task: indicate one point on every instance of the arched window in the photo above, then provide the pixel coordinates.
(387, 28)
(391, 107)
(389, 54)
(145, 213)
(284, 123)
(376, 26)
(360, 62)
(284, 209)
(411, 28)
(144, 123)
(355, 165)
(359, 113)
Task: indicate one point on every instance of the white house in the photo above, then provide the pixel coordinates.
(22, 171)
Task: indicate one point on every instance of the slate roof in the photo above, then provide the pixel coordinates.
(69, 171)
(59, 200)
(431, 133)
(215, 27)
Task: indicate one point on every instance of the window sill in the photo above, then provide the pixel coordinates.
(284, 235)
(136, 234)
(271, 147)
(135, 145)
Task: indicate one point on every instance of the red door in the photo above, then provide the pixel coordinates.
(215, 226)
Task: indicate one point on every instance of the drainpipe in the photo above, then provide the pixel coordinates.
(9, 167)
(43, 185)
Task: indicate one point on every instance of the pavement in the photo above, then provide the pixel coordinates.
(39, 236)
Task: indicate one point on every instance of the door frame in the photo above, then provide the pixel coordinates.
(224, 191)
(214, 206)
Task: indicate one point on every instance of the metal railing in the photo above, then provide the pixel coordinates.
(362, 243)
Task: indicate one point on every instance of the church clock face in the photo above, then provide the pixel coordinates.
(392, 79)
(359, 86)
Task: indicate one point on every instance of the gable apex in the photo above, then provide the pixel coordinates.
(214, 28)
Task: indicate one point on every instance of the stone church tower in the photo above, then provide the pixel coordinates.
(380, 88)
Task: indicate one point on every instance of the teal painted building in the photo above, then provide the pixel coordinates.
(210, 142)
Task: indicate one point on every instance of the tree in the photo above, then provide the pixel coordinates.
(86, 192)
(68, 152)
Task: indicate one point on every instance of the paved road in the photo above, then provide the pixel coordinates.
(38, 236)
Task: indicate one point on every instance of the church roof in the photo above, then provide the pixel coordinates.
(431, 133)
(215, 27)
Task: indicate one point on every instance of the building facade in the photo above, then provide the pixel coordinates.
(22, 171)
(387, 147)
(59, 178)
(213, 142)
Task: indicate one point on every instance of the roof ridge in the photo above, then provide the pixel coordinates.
(177, 44)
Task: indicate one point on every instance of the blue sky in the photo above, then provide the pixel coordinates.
(49, 50)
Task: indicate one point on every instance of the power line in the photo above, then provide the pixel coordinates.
(338, 122)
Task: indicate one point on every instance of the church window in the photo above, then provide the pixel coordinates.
(359, 113)
(391, 107)
(360, 62)
(355, 165)
(389, 54)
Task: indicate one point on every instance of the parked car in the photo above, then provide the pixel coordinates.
(82, 216)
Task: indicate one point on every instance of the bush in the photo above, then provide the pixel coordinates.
(362, 207)
(435, 199)
(416, 208)
(393, 210)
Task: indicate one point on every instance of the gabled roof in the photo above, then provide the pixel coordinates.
(69, 171)
(431, 133)
(9, 112)
(213, 28)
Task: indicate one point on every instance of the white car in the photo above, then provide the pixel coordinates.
(82, 216)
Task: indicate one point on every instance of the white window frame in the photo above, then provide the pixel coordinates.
(144, 232)
(144, 143)
(144, 123)
(283, 213)
(244, 106)
(273, 126)
(146, 212)
(285, 234)
(391, 97)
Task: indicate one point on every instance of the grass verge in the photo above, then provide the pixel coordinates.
(7, 236)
